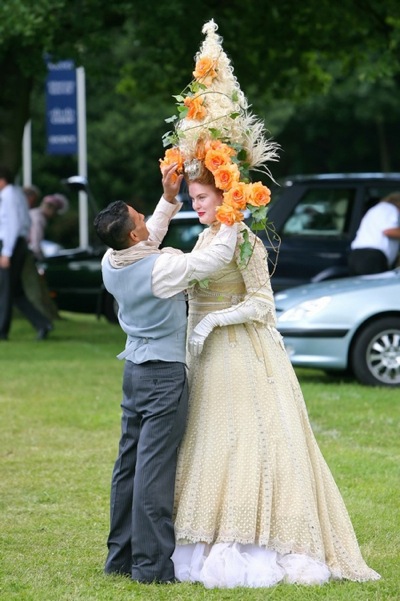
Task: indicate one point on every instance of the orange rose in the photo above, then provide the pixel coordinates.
(197, 112)
(228, 215)
(200, 152)
(236, 197)
(205, 71)
(259, 195)
(172, 155)
(226, 176)
(221, 146)
(215, 159)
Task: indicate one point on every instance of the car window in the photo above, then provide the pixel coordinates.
(182, 235)
(321, 212)
(374, 194)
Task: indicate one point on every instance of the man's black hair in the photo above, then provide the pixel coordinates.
(113, 225)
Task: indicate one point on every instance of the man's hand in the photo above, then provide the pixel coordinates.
(171, 182)
(4, 262)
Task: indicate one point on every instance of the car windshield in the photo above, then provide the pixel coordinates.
(183, 234)
(321, 211)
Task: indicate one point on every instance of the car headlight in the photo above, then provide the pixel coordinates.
(305, 309)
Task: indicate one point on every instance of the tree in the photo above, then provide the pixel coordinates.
(283, 51)
(280, 48)
(356, 127)
(30, 30)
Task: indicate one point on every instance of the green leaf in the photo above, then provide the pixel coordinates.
(171, 119)
(215, 133)
(258, 226)
(245, 251)
(178, 98)
(244, 174)
(170, 138)
(196, 86)
(258, 213)
(203, 284)
(183, 111)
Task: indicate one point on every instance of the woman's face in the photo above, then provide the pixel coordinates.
(205, 200)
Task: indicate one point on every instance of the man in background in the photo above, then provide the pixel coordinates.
(376, 246)
(14, 230)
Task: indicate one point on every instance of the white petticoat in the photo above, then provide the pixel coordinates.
(227, 565)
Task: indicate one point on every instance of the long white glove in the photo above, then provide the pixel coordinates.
(242, 313)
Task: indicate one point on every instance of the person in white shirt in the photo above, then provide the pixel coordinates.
(376, 245)
(14, 229)
(148, 284)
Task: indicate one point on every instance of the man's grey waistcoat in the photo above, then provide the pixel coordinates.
(156, 327)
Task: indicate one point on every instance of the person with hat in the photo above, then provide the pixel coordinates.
(51, 206)
(255, 501)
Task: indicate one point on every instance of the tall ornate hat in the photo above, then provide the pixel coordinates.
(214, 129)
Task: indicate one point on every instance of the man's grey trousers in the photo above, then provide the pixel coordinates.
(154, 408)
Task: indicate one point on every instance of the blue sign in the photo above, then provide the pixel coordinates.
(61, 112)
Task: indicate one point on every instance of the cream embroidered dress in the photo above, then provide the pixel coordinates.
(256, 503)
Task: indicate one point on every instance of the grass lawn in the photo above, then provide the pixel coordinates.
(59, 430)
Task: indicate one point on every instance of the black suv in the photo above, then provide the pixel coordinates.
(316, 217)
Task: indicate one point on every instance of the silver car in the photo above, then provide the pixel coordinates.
(345, 325)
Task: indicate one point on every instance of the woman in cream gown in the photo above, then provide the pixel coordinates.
(256, 504)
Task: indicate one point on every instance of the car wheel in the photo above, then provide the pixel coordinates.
(110, 308)
(375, 355)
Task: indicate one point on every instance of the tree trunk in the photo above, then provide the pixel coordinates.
(15, 93)
(382, 143)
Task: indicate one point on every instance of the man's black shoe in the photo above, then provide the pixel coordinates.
(42, 333)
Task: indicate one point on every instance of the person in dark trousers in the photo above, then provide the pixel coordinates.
(148, 284)
(14, 229)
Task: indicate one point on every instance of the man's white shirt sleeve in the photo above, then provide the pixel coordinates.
(9, 221)
(172, 273)
(157, 224)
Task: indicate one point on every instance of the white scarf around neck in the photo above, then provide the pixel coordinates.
(127, 256)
